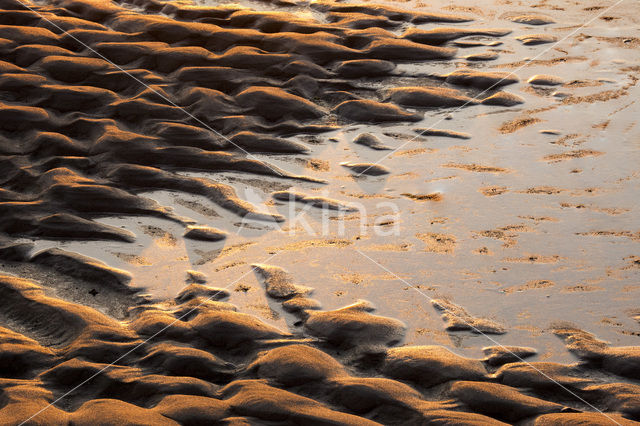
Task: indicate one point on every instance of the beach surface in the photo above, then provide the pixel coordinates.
(288, 212)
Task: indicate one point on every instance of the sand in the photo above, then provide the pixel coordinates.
(318, 213)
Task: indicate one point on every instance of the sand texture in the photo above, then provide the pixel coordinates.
(319, 213)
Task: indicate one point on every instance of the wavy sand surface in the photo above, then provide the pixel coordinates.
(324, 213)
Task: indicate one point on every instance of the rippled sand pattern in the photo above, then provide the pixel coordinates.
(319, 213)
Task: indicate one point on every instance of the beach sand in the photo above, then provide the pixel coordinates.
(319, 212)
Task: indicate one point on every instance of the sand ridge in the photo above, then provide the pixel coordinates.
(193, 372)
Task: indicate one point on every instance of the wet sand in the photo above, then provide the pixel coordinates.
(325, 213)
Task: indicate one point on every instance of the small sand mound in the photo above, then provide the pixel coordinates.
(532, 19)
(484, 56)
(430, 365)
(366, 111)
(442, 133)
(278, 282)
(458, 319)
(364, 68)
(503, 99)
(367, 169)
(354, 326)
(545, 80)
(501, 401)
(204, 233)
(315, 201)
(371, 141)
(429, 97)
(295, 365)
(439, 36)
(499, 355)
(480, 79)
(535, 39)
